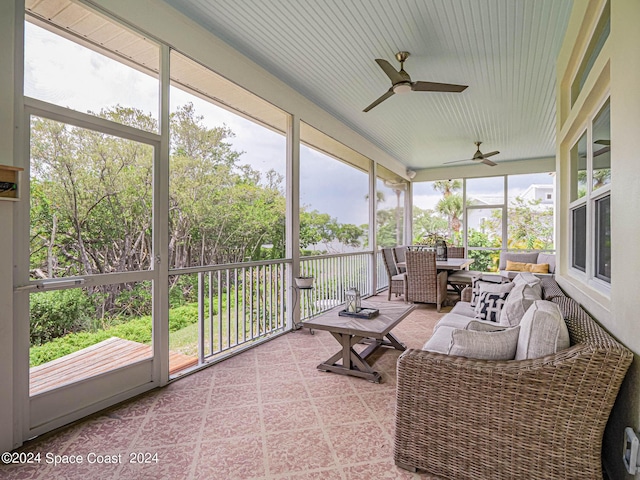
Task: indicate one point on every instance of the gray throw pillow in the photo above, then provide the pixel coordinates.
(517, 303)
(483, 345)
(497, 345)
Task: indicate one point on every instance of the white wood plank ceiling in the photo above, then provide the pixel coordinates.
(505, 50)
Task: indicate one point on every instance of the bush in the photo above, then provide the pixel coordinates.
(136, 330)
(56, 313)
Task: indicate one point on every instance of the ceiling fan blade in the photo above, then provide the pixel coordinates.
(391, 72)
(488, 162)
(603, 142)
(458, 161)
(437, 87)
(490, 154)
(380, 100)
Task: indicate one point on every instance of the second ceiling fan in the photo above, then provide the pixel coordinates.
(401, 81)
(479, 157)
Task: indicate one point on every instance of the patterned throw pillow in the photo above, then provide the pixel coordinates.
(490, 305)
(488, 283)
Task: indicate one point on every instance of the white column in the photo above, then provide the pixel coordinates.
(373, 206)
(161, 231)
(293, 218)
(408, 214)
(11, 399)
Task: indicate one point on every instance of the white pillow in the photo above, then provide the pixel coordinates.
(490, 305)
(527, 278)
(517, 303)
(483, 345)
(543, 331)
(481, 286)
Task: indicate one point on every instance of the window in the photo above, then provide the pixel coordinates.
(603, 239)
(530, 208)
(390, 190)
(591, 199)
(598, 40)
(334, 195)
(111, 68)
(484, 215)
(579, 224)
(438, 212)
(477, 213)
(226, 171)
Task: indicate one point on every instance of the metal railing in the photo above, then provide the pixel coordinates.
(242, 304)
(238, 306)
(333, 274)
(382, 277)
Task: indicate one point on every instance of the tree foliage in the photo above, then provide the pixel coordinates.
(92, 209)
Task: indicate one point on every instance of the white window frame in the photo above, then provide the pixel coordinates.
(589, 275)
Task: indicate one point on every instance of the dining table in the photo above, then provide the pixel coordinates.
(449, 264)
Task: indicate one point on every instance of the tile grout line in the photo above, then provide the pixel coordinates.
(193, 468)
(323, 429)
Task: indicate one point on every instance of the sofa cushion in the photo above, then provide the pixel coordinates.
(518, 302)
(482, 326)
(522, 257)
(490, 305)
(440, 341)
(548, 258)
(496, 345)
(485, 286)
(463, 308)
(542, 331)
(455, 320)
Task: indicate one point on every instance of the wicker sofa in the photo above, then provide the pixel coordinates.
(460, 418)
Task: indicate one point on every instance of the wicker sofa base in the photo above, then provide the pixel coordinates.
(465, 419)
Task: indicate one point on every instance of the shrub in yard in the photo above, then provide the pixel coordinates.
(137, 330)
(56, 313)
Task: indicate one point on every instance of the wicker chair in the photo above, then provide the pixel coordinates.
(423, 282)
(539, 419)
(399, 256)
(460, 278)
(396, 280)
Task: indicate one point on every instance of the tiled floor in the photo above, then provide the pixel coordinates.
(267, 413)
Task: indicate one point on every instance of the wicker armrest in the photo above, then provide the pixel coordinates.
(460, 418)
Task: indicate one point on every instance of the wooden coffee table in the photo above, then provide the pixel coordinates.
(350, 331)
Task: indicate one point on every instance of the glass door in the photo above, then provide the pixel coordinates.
(91, 261)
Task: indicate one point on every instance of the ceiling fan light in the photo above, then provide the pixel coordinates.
(400, 88)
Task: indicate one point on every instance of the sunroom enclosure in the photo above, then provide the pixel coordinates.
(172, 210)
(168, 211)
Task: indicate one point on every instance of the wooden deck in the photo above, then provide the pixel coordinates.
(99, 358)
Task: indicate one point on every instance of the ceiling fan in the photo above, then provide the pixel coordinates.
(401, 81)
(479, 157)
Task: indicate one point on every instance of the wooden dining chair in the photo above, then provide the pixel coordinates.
(424, 283)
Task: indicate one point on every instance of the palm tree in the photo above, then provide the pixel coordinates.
(451, 203)
(447, 187)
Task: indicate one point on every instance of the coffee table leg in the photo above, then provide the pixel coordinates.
(352, 363)
(395, 343)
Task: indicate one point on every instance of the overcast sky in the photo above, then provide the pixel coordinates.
(62, 72)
